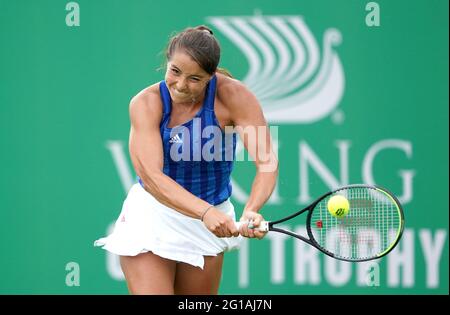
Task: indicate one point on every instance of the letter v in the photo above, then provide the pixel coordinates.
(121, 164)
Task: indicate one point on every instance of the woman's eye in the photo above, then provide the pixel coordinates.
(195, 79)
(175, 70)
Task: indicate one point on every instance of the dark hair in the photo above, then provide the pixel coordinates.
(199, 43)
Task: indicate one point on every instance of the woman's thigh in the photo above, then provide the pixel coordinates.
(148, 273)
(194, 280)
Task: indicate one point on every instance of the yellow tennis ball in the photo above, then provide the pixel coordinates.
(338, 206)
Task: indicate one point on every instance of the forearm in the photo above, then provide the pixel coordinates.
(170, 193)
(262, 187)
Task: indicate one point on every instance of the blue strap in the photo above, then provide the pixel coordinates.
(210, 93)
(167, 102)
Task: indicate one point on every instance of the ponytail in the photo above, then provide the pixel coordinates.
(224, 72)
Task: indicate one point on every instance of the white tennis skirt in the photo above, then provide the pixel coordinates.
(146, 225)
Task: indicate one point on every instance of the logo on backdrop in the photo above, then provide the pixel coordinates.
(293, 80)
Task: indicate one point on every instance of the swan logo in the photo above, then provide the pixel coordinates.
(293, 80)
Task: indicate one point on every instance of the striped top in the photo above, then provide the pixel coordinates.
(198, 154)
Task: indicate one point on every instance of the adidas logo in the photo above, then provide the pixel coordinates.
(175, 139)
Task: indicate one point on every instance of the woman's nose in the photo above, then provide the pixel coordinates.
(181, 84)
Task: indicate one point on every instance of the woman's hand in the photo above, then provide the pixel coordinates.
(220, 224)
(255, 218)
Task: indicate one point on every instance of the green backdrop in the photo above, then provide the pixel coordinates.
(377, 113)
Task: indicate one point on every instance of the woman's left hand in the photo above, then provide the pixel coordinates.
(255, 218)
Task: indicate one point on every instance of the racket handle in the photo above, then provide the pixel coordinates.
(263, 227)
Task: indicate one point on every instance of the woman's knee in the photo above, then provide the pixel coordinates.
(194, 280)
(148, 273)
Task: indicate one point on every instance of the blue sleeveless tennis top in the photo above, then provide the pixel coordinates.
(198, 154)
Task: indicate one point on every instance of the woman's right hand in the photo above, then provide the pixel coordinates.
(220, 224)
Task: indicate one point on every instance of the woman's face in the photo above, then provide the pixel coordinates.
(185, 79)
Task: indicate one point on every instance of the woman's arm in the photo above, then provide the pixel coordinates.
(249, 121)
(146, 153)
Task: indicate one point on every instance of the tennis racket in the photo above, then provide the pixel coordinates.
(372, 227)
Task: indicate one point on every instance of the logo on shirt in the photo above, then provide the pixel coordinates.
(175, 139)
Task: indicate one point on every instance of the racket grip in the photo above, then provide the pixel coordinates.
(263, 227)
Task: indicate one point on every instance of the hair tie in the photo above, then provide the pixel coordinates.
(204, 212)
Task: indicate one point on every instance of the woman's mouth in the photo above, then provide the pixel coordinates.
(179, 94)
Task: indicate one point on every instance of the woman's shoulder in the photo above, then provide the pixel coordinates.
(150, 93)
(232, 92)
(226, 83)
(147, 100)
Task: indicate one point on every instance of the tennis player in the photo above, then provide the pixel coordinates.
(177, 220)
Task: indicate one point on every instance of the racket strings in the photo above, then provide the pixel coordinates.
(369, 228)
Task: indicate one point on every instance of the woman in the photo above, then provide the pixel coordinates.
(178, 220)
